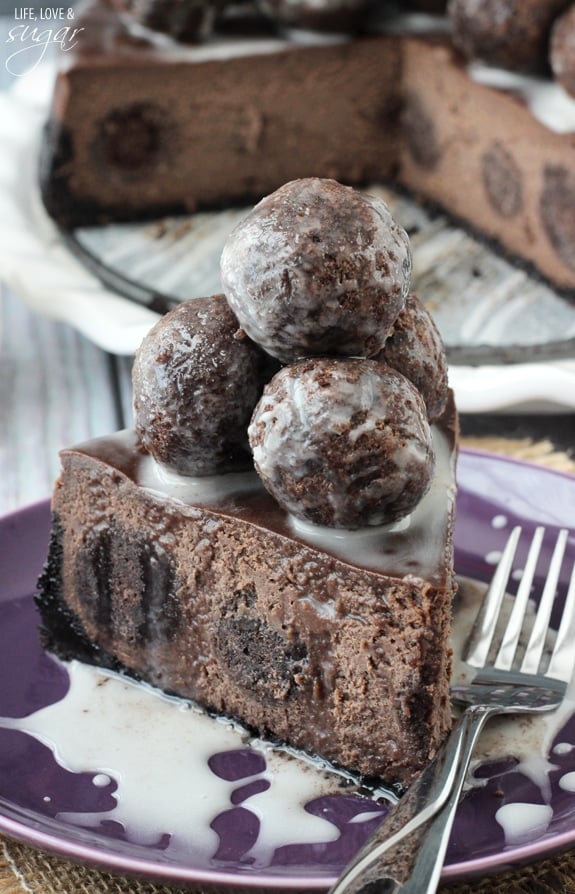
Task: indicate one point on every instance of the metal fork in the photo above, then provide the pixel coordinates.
(406, 852)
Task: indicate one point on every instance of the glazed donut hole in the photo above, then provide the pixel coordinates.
(317, 366)
(317, 268)
(195, 385)
(511, 34)
(415, 349)
(562, 50)
(342, 443)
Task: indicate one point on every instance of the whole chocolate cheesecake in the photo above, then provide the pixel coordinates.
(149, 120)
(287, 559)
(141, 127)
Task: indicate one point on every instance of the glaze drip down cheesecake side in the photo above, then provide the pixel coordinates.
(308, 592)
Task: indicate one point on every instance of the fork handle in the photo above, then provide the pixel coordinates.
(406, 852)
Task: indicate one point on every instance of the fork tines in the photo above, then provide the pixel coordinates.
(482, 635)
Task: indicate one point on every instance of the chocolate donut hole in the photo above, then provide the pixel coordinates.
(342, 443)
(562, 50)
(512, 34)
(557, 210)
(111, 559)
(196, 383)
(261, 659)
(317, 268)
(420, 132)
(415, 349)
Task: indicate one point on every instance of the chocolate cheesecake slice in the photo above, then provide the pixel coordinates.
(274, 540)
(335, 643)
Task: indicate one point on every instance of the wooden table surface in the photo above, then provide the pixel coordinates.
(56, 389)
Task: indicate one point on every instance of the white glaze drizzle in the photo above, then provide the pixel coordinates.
(220, 48)
(563, 748)
(357, 547)
(156, 749)
(523, 822)
(210, 489)
(567, 782)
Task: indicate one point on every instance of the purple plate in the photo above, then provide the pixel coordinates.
(494, 495)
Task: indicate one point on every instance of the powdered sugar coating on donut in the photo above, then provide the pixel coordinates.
(342, 443)
(317, 268)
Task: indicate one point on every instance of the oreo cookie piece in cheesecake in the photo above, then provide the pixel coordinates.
(309, 594)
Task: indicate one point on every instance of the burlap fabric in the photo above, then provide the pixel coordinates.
(24, 870)
(27, 871)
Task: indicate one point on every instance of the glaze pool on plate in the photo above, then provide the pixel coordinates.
(494, 495)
